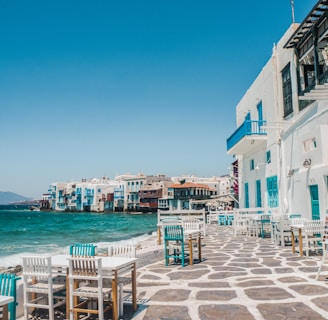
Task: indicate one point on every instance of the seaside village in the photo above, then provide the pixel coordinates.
(257, 251)
(138, 193)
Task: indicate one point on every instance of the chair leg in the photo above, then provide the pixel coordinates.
(324, 254)
(120, 306)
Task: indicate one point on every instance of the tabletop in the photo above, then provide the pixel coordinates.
(113, 263)
(5, 300)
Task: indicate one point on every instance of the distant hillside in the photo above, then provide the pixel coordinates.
(10, 197)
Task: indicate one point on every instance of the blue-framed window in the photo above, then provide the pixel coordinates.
(251, 164)
(272, 189)
(268, 156)
(258, 194)
(246, 196)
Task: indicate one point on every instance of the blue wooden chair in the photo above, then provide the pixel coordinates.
(222, 219)
(8, 288)
(174, 244)
(82, 250)
(230, 218)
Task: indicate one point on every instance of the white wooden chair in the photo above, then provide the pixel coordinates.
(40, 289)
(324, 248)
(313, 234)
(191, 231)
(90, 297)
(282, 233)
(240, 224)
(126, 250)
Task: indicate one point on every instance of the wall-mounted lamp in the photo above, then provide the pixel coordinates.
(307, 163)
(259, 164)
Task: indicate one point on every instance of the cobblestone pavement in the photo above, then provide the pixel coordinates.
(240, 277)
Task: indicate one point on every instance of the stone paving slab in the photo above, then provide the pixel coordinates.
(240, 278)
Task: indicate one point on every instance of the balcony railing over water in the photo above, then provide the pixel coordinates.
(248, 128)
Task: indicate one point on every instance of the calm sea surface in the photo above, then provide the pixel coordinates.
(25, 231)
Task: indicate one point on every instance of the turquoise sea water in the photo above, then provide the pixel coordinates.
(25, 231)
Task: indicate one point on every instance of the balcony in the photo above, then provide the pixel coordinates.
(249, 136)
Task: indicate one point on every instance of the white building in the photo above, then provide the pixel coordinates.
(221, 184)
(132, 185)
(282, 123)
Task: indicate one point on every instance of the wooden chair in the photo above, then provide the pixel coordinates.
(313, 233)
(230, 218)
(126, 250)
(8, 288)
(40, 289)
(91, 297)
(174, 244)
(282, 233)
(82, 250)
(222, 219)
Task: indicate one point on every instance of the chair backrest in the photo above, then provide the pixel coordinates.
(266, 217)
(88, 268)
(170, 221)
(127, 250)
(37, 266)
(191, 225)
(295, 221)
(222, 217)
(315, 227)
(173, 232)
(294, 215)
(82, 250)
(8, 288)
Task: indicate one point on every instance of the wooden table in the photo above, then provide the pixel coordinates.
(4, 301)
(298, 227)
(113, 267)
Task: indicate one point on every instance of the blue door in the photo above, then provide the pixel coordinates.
(272, 189)
(258, 194)
(246, 196)
(315, 208)
(248, 123)
(260, 115)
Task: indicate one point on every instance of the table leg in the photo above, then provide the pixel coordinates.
(67, 295)
(5, 312)
(199, 247)
(191, 258)
(159, 241)
(114, 296)
(293, 241)
(134, 287)
(301, 242)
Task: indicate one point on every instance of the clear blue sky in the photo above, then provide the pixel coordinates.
(99, 88)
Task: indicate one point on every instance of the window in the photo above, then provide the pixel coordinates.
(268, 156)
(287, 91)
(246, 196)
(258, 194)
(251, 164)
(310, 144)
(272, 190)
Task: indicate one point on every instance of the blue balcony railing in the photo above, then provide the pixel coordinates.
(248, 128)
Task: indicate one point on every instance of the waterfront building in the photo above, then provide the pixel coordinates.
(282, 122)
(150, 194)
(155, 188)
(181, 194)
(221, 184)
(132, 185)
(45, 202)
